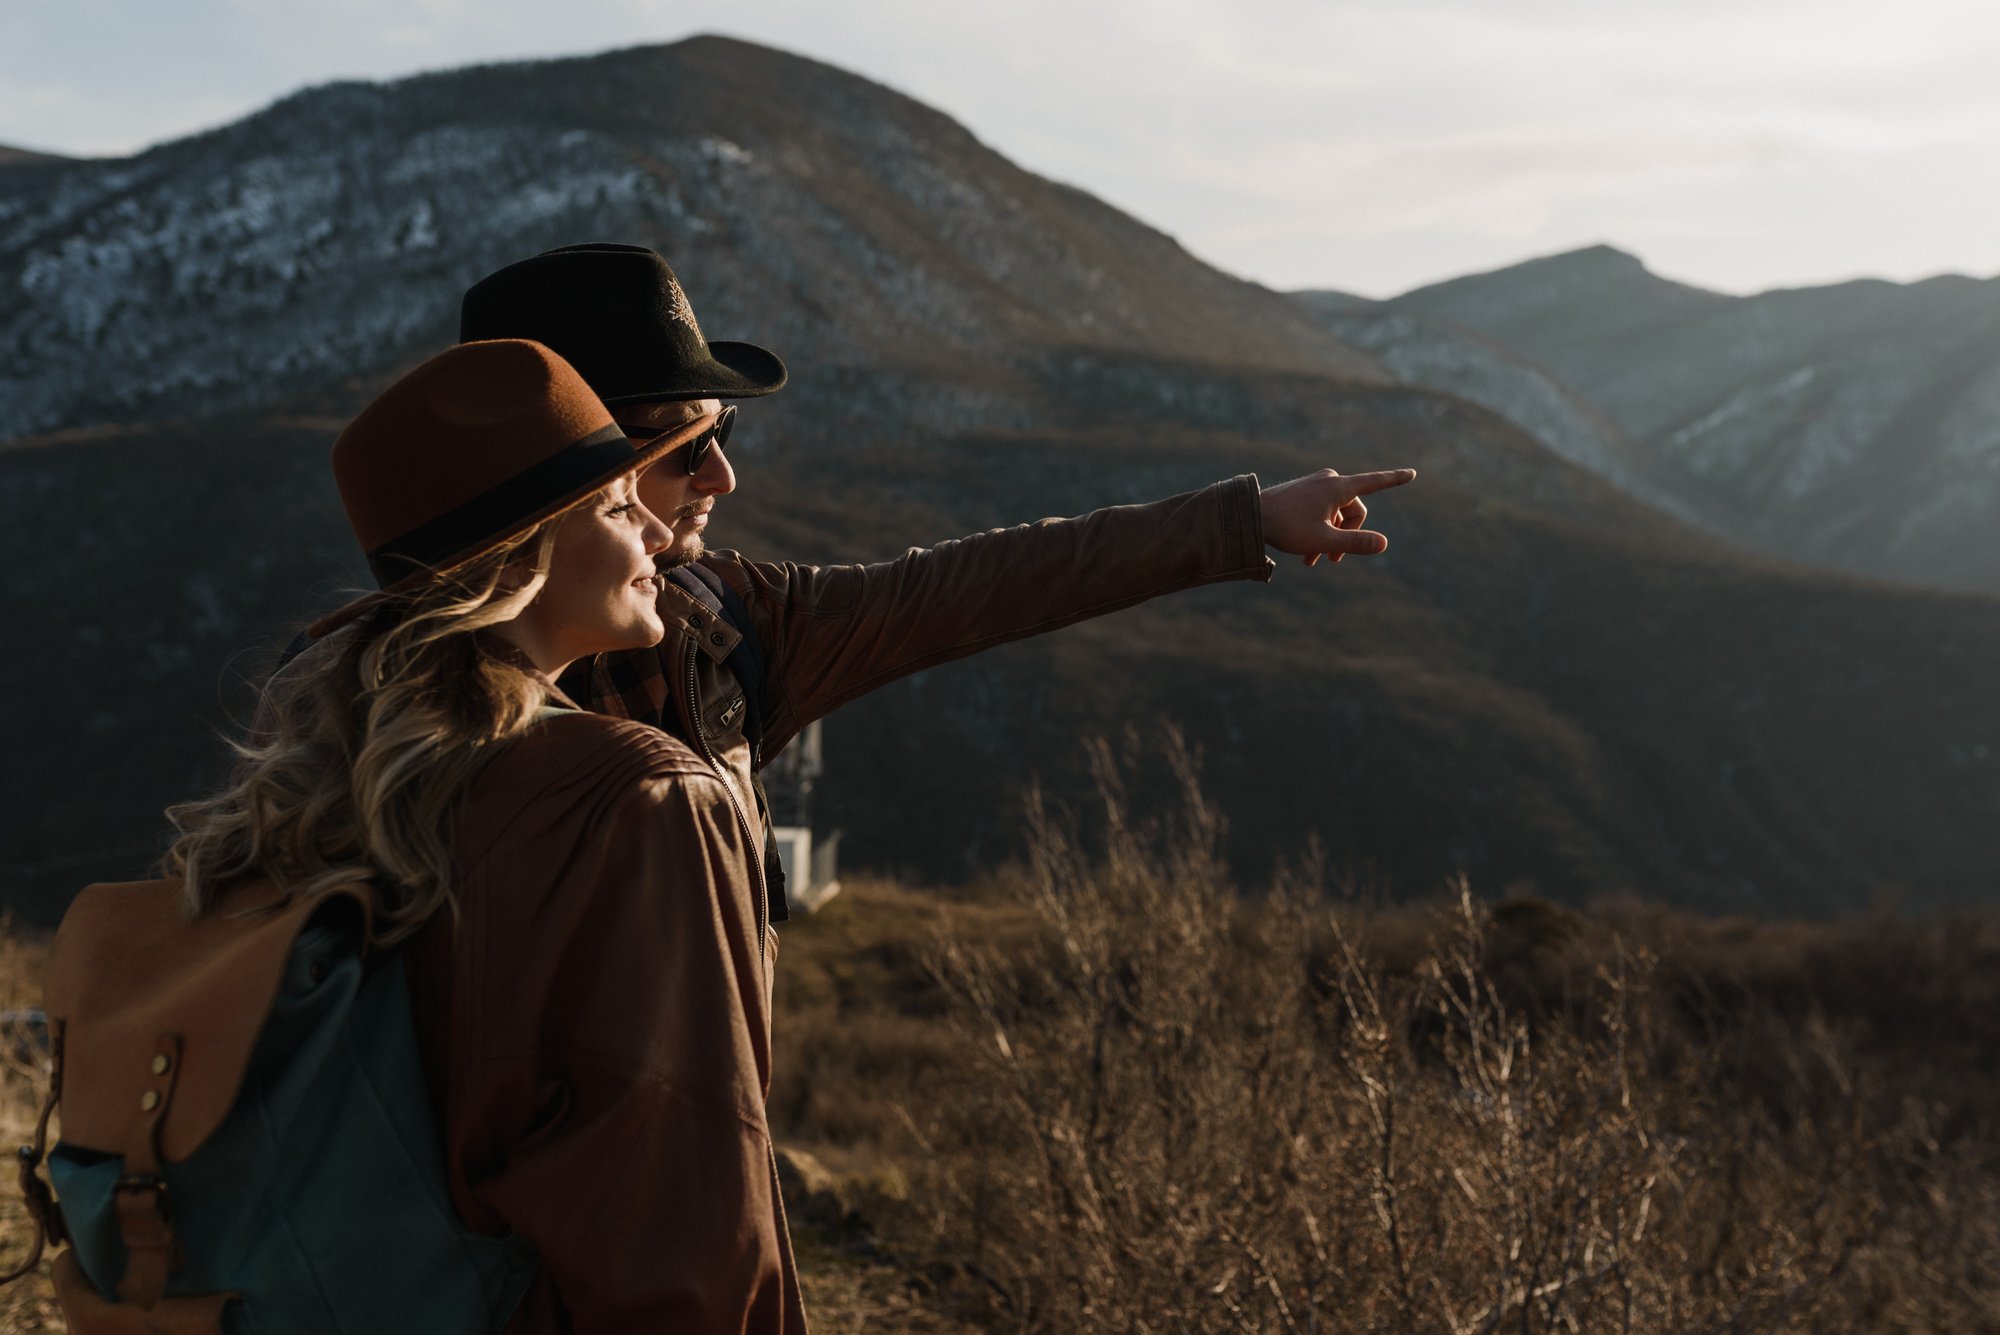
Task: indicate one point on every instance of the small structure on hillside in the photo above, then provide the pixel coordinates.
(809, 860)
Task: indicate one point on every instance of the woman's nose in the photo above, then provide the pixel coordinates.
(656, 535)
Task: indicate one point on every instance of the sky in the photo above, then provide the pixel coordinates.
(1373, 147)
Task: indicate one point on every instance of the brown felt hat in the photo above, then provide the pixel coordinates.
(477, 445)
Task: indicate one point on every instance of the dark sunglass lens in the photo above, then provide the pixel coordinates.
(715, 435)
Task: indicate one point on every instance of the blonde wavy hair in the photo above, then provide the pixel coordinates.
(364, 745)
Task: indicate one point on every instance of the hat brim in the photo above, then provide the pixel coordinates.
(732, 371)
(640, 459)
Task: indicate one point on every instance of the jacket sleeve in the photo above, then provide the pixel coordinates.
(832, 633)
(623, 1064)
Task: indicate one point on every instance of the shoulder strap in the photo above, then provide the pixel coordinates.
(746, 661)
(44, 1217)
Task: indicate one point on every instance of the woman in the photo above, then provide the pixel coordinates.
(590, 1001)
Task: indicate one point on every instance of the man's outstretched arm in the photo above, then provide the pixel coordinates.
(833, 633)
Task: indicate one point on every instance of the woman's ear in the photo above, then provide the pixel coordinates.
(518, 574)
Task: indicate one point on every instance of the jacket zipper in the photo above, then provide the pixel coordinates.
(763, 897)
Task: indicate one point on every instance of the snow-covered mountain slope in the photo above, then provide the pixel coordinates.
(333, 232)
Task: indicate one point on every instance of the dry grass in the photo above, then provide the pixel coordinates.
(27, 1307)
(1194, 1112)
(1109, 1091)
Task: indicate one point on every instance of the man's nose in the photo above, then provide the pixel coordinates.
(715, 477)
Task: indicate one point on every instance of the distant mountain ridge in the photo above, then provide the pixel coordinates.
(332, 233)
(11, 156)
(1437, 354)
(1544, 683)
(1855, 426)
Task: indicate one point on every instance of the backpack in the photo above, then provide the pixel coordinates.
(248, 1144)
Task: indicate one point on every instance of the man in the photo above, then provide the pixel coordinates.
(753, 653)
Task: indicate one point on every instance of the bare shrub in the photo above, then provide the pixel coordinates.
(27, 1307)
(1197, 1112)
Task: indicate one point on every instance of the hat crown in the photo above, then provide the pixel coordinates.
(622, 319)
(461, 425)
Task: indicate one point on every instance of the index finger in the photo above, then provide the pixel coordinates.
(1361, 484)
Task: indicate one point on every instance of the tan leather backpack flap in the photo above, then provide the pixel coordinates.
(132, 978)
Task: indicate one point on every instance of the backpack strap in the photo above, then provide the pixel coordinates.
(746, 662)
(43, 1215)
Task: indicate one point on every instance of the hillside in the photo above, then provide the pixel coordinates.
(1544, 683)
(1798, 1113)
(1855, 426)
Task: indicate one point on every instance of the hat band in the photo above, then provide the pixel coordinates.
(500, 510)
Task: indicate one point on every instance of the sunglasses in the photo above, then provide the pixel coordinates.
(696, 452)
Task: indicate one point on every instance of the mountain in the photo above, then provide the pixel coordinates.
(331, 234)
(1437, 354)
(11, 156)
(1855, 426)
(1544, 683)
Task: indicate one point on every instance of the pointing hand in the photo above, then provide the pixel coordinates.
(1321, 514)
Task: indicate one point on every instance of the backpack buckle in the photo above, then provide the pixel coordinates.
(152, 1253)
(136, 1183)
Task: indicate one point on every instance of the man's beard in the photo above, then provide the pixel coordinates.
(684, 553)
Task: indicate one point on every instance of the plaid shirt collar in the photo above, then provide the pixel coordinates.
(635, 683)
(627, 683)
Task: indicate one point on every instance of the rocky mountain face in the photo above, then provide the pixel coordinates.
(1544, 683)
(1437, 354)
(331, 235)
(1855, 426)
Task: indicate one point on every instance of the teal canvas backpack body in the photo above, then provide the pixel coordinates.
(248, 1142)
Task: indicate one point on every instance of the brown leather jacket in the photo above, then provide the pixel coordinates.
(598, 1018)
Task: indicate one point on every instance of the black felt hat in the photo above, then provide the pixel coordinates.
(618, 315)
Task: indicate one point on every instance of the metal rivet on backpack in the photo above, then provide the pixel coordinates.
(149, 1100)
(718, 638)
(160, 1064)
